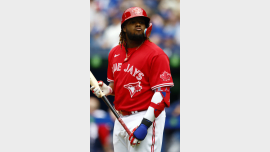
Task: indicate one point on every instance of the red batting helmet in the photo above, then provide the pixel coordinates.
(134, 12)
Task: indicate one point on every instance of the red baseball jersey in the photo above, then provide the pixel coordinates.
(136, 77)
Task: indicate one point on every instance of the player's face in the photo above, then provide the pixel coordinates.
(135, 28)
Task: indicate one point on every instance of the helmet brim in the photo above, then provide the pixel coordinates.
(146, 18)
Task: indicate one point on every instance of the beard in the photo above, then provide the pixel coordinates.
(135, 37)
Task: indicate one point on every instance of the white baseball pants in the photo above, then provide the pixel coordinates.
(152, 141)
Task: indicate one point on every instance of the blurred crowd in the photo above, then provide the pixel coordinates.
(101, 127)
(105, 24)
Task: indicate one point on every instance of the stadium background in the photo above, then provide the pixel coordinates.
(105, 21)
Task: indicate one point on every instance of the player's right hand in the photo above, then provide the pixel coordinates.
(103, 87)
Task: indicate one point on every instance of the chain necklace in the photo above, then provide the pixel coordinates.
(129, 55)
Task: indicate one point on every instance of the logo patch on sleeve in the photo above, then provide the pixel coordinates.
(133, 88)
(165, 76)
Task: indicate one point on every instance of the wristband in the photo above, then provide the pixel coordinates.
(146, 122)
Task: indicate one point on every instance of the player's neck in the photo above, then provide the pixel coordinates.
(134, 44)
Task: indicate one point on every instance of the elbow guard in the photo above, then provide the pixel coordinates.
(165, 101)
(160, 100)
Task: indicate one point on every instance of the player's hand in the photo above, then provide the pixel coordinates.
(103, 87)
(133, 141)
(139, 133)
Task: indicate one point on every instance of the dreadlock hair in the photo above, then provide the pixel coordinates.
(123, 39)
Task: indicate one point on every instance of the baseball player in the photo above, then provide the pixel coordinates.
(140, 79)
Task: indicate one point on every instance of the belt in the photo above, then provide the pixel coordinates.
(126, 113)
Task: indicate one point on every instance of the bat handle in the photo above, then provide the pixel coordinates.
(124, 126)
(104, 98)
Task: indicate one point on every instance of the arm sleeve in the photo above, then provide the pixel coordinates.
(160, 73)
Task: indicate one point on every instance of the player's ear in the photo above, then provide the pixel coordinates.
(124, 28)
(148, 30)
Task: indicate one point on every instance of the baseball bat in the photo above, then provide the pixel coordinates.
(93, 82)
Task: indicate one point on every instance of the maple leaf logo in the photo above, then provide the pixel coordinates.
(165, 76)
(133, 88)
(137, 11)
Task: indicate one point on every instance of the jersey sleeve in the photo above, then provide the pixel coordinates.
(160, 73)
(110, 77)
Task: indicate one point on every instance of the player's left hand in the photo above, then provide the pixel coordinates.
(138, 134)
(133, 141)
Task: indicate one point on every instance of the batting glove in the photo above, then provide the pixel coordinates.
(139, 133)
(132, 139)
(103, 87)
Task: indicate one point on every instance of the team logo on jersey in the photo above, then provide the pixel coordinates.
(137, 11)
(165, 76)
(133, 87)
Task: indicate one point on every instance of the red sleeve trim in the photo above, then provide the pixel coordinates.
(162, 85)
(109, 80)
